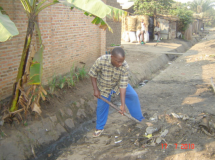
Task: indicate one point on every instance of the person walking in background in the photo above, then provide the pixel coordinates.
(157, 31)
(109, 74)
(142, 32)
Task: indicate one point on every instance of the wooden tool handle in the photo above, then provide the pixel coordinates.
(115, 107)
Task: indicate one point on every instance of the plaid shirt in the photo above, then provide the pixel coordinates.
(109, 77)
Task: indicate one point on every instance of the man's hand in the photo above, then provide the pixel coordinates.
(97, 93)
(122, 110)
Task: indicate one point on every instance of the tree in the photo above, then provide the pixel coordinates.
(30, 71)
(152, 7)
(209, 15)
(185, 16)
(199, 6)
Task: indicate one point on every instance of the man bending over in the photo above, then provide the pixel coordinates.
(109, 74)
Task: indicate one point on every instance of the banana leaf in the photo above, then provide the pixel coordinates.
(7, 28)
(95, 7)
(36, 68)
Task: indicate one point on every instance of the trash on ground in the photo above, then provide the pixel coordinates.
(158, 140)
(148, 136)
(149, 124)
(118, 141)
(176, 116)
(154, 117)
(143, 83)
(164, 133)
(150, 130)
(1, 122)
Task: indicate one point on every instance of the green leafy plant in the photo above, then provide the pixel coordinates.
(70, 80)
(94, 8)
(62, 82)
(152, 7)
(82, 72)
(185, 16)
(77, 77)
(113, 45)
(52, 84)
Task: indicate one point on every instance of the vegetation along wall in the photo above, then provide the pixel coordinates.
(68, 36)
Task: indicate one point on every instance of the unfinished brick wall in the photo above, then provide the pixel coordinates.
(68, 36)
(115, 37)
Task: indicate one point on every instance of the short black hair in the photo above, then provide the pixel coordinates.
(118, 51)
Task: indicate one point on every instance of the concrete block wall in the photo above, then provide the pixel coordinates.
(68, 36)
(164, 26)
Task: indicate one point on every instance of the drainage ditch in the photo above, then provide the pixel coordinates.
(52, 151)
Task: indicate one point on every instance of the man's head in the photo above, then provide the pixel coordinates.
(158, 24)
(117, 56)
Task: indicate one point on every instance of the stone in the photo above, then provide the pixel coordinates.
(60, 129)
(62, 112)
(77, 104)
(69, 123)
(92, 105)
(53, 119)
(82, 101)
(69, 112)
(81, 112)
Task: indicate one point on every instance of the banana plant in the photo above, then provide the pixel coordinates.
(7, 27)
(31, 72)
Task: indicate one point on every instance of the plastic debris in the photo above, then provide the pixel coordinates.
(150, 130)
(1, 122)
(118, 141)
(164, 133)
(148, 136)
(176, 116)
(185, 117)
(143, 83)
(154, 117)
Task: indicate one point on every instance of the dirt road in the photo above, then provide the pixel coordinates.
(178, 105)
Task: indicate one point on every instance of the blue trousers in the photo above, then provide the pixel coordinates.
(131, 100)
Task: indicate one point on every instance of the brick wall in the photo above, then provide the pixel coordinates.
(10, 51)
(115, 37)
(68, 36)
